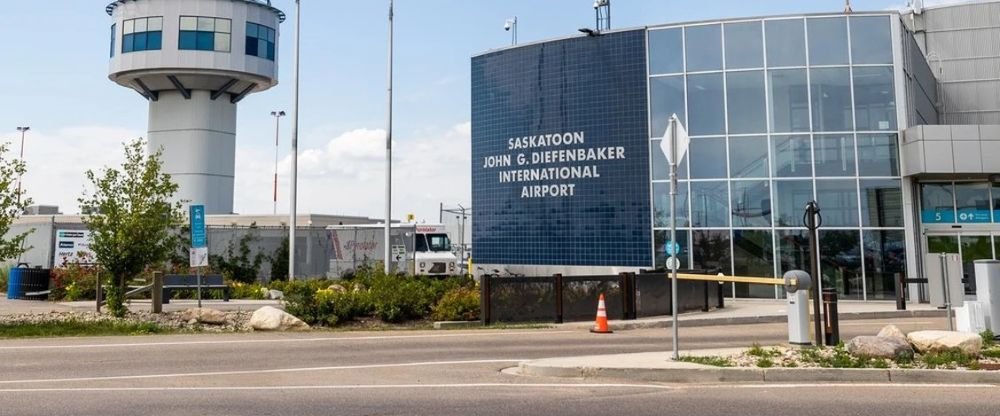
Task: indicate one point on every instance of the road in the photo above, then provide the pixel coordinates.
(425, 372)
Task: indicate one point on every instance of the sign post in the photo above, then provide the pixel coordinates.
(674, 145)
(199, 243)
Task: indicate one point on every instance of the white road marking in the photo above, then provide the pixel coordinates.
(344, 387)
(869, 324)
(269, 371)
(276, 341)
(852, 385)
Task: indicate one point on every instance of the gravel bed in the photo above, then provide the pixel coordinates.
(235, 321)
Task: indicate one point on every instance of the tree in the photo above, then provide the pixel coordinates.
(238, 263)
(134, 222)
(12, 204)
(279, 262)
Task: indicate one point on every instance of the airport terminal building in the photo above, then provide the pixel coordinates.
(890, 120)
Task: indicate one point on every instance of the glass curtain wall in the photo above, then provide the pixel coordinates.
(782, 111)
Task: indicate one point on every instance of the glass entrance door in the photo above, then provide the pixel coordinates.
(970, 246)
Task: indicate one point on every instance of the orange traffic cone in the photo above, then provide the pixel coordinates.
(601, 326)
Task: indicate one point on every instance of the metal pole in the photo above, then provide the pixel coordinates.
(295, 146)
(277, 129)
(388, 153)
(673, 235)
(947, 287)
(23, 130)
(515, 31)
(197, 271)
(811, 209)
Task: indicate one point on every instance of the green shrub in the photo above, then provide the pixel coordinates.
(3, 280)
(989, 338)
(712, 361)
(240, 290)
(74, 281)
(461, 304)
(949, 359)
(765, 362)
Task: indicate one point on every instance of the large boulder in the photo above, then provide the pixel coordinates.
(880, 347)
(270, 318)
(891, 331)
(936, 341)
(204, 315)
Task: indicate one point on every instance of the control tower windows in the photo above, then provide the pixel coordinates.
(142, 34)
(260, 41)
(205, 34)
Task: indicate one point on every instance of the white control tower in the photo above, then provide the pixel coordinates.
(194, 61)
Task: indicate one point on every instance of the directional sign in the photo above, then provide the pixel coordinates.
(671, 248)
(675, 132)
(199, 256)
(672, 263)
(198, 236)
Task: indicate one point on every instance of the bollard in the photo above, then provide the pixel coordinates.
(900, 291)
(157, 292)
(831, 329)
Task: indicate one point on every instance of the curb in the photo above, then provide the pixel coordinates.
(768, 319)
(457, 324)
(706, 374)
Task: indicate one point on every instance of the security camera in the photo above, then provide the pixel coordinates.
(599, 3)
(506, 26)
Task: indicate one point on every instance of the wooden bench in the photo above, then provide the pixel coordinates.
(172, 282)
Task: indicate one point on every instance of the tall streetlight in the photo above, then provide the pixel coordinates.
(295, 145)
(277, 123)
(511, 26)
(388, 155)
(23, 130)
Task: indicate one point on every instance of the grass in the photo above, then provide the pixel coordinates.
(78, 329)
(765, 362)
(757, 351)
(712, 361)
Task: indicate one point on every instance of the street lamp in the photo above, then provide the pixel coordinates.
(295, 146)
(388, 155)
(511, 26)
(277, 122)
(23, 130)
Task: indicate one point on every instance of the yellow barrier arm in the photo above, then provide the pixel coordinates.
(731, 279)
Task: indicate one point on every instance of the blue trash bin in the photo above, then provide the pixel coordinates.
(14, 289)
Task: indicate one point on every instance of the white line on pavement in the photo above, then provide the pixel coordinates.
(343, 387)
(269, 371)
(852, 385)
(276, 341)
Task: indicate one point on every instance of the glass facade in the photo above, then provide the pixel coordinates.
(260, 41)
(200, 33)
(142, 34)
(780, 112)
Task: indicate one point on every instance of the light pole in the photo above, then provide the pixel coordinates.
(388, 154)
(295, 146)
(23, 130)
(511, 26)
(277, 123)
(940, 90)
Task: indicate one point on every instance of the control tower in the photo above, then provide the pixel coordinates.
(194, 61)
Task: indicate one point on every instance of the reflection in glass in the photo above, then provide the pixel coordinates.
(871, 40)
(828, 41)
(660, 239)
(666, 96)
(790, 201)
(746, 101)
(661, 169)
(753, 255)
(744, 45)
(996, 202)
(793, 250)
(748, 157)
(666, 51)
(711, 250)
(751, 204)
(710, 204)
(786, 43)
(707, 105)
(885, 257)
(937, 203)
(792, 156)
(840, 261)
(788, 100)
(834, 155)
(661, 204)
(838, 202)
(831, 99)
(704, 48)
(874, 98)
(974, 247)
(942, 244)
(708, 157)
(878, 155)
(973, 202)
(881, 203)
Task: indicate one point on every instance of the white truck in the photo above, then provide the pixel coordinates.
(416, 249)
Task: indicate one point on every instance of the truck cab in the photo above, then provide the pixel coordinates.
(433, 254)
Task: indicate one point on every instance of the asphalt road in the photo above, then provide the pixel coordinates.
(408, 373)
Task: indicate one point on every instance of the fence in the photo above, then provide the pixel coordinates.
(559, 298)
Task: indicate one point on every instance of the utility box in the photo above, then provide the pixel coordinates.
(988, 291)
(942, 270)
(797, 285)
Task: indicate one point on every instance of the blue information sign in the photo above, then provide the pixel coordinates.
(198, 237)
(671, 248)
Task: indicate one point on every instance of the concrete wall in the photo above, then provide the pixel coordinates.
(950, 151)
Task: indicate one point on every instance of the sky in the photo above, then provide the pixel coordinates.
(54, 79)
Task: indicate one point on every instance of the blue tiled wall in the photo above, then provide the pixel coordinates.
(593, 85)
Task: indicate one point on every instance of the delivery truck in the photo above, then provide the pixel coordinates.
(415, 249)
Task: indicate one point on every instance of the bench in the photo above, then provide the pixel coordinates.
(172, 282)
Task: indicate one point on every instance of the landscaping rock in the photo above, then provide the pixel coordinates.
(275, 294)
(205, 316)
(270, 318)
(936, 341)
(880, 347)
(891, 331)
(337, 288)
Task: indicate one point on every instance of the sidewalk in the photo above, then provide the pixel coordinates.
(14, 307)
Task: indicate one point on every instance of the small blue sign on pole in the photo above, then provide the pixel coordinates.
(198, 236)
(672, 248)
